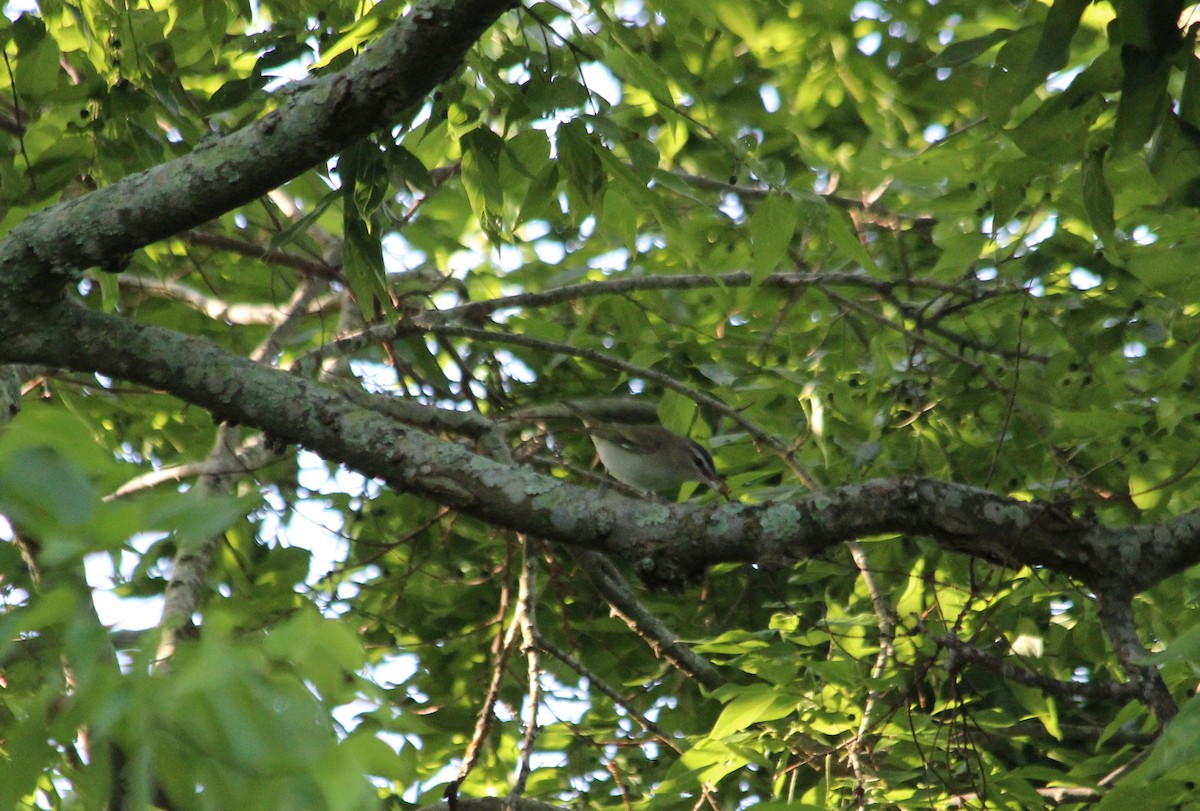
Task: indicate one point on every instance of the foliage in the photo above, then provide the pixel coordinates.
(834, 240)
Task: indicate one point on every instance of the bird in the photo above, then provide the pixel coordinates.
(650, 458)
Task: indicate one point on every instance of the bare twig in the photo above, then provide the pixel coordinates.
(526, 619)
(483, 721)
(604, 687)
(662, 640)
(887, 650)
(217, 308)
(788, 280)
(310, 267)
(1095, 688)
(251, 456)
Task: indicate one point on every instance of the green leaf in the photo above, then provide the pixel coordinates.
(844, 235)
(1054, 47)
(1144, 101)
(1010, 80)
(1174, 160)
(1176, 754)
(752, 705)
(540, 196)
(196, 517)
(233, 93)
(37, 71)
(1098, 199)
(586, 180)
(1189, 98)
(481, 178)
(676, 411)
(771, 230)
(1132, 711)
(362, 262)
(1185, 647)
(963, 51)
(324, 651)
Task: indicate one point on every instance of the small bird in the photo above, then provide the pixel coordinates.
(649, 457)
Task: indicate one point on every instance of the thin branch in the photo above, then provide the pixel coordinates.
(483, 721)
(887, 650)
(207, 467)
(654, 632)
(787, 280)
(1012, 401)
(698, 396)
(1116, 617)
(220, 309)
(1066, 795)
(18, 126)
(310, 267)
(526, 618)
(604, 687)
(961, 651)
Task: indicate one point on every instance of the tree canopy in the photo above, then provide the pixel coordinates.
(292, 294)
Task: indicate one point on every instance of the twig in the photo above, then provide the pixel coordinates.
(783, 280)
(309, 267)
(702, 398)
(1116, 617)
(654, 632)
(1100, 689)
(887, 649)
(1012, 400)
(243, 462)
(526, 619)
(483, 722)
(19, 125)
(604, 687)
(216, 308)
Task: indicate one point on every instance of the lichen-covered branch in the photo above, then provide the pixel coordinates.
(670, 543)
(320, 118)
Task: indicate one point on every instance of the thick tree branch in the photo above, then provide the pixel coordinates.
(669, 542)
(323, 117)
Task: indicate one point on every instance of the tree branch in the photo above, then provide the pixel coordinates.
(661, 639)
(323, 117)
(1103, 689)
(526, 619)
(220, 309)
(669, 542)
(1116, 617)
(604, 687)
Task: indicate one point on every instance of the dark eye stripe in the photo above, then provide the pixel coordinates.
(703, 459)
